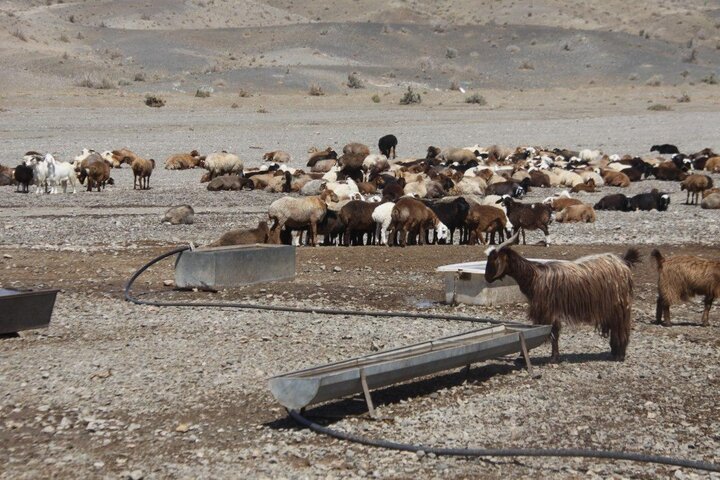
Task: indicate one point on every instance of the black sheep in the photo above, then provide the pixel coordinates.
(650, 201)
(24, 176)
(452, 214)
(665, 148)
(616, 201)
(387, 145)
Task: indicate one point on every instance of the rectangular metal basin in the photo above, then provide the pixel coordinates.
(234, 266)
(336, 380)
(465, 283)
(25, 310)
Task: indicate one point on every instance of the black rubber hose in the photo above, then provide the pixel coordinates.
(279, 308)
(505, 452)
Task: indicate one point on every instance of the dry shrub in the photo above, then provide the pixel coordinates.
(410, 97)
(476, 99)
(654, 81)
(375, 98)
(154, 101)
(684, 98)
(89, 80)
(315, 90)
(354, 81)
(19, 34)
(659, 107)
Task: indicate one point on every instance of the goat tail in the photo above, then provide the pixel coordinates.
(659, 259)
(632, 257)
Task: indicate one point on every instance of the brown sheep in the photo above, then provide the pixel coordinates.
(97, 174)
(682, 277)
(713, 164)
(576, 213)
(323, 166)
(710, 191)
(142, 169)
(259, 234)
(355, 148)
(277, 156)
(367, 188)
(412, 217)
(669, 171)
(711, 202)
(560, 203)
(183, 161)
(613, 178)
(230, 182)
(317, 155)
(695, 184)
(485, 219)
(118, 157)
(588, 187)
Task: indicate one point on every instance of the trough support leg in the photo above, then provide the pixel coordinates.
(366, 391)
(526, 356)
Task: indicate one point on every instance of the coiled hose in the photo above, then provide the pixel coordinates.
(380, 443)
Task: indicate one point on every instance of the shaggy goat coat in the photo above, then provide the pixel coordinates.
(682, 277)
(596, 290)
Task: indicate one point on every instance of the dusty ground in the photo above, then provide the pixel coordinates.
(114, 389)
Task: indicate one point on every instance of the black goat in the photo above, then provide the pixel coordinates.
(665, 148)
(616, 201)
(653, 200)
(24, 176)
(528, 216)
(514, 189)
(387, 144)
(452, 214)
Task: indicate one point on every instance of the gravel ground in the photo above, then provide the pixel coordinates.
(113, 389)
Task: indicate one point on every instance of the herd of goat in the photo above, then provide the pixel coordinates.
(475, 191)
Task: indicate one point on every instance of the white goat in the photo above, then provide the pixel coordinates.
(40, 172)
(60, 172)
(382, 216)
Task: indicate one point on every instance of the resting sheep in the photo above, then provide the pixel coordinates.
(711, 202)
(596, 289)
(277, 156)
(230, 182)
(259, 234)
(183, 161)
(181, 214)
(576, 213)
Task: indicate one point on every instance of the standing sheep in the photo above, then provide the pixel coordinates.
(387, 145)
(299, 213)
(223, 163)
(142, 169)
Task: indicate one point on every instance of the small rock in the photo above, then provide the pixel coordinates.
(137, 475)
(98, 465)
(7, 256)
(337, 269)
(168, 283)
(182, 428)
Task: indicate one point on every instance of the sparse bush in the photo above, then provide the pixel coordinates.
(526, 65)
(139, 77)
(476, 98)
(410, 97)
(315, 90)
(451, 52)
(454, 85)
(234, 105)
(512, 49)
(684, 98)
(243, 93)
(632, 77)
(145, 17)
(375, 98)
(204, 91)
(19, 34)
(354, 81)
(79, 36)
(654, 81)
(64, 38)
(71, 19)
(124, 82)
(89, 80)
(154, 101)
(659, 107)
(710, 79)
(263, 110)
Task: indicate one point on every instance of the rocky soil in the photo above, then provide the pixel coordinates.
(113, 389)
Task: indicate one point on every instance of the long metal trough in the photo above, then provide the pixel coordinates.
(299, 389)
(25, 310)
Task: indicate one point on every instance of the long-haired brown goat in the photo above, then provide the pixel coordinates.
(596, 289)
(682, 277)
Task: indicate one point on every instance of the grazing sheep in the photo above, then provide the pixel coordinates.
(711, 202)
(183, 161)
(387, 145)
(682, 277)
(695, 184)
(223, 163)
(230, 182)
(576, 213)
(524, 216)
(486, 219)
(298, 213)
(277, 156)
(259, 234)
(616, 201)
(664, 149)
(142, 169)
(453, 214)
(356, 215)
(412, 217)
(179, 215)
(596, 290)
(23, 174)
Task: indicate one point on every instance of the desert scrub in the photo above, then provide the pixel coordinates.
(684, 98)
(654, 81)
(354, 81)
(659, 107)
(154, 101)
(315, 90)
(476, 98)
(375, 98)
(91, 81)
(410, 97)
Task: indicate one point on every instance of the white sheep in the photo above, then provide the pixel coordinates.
(299, 213)
(588, 155)
(344, 189)
(60, 172)
(221, 163)
(40, 171)
(382, 216)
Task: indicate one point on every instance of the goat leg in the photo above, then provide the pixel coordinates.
(555, 339)
(706, 311)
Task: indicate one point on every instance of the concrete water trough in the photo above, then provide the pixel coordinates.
(299, 389)
(465, 283)
(25, 310)
(234, 266)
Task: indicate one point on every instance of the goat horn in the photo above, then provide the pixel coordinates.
(506, 243)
